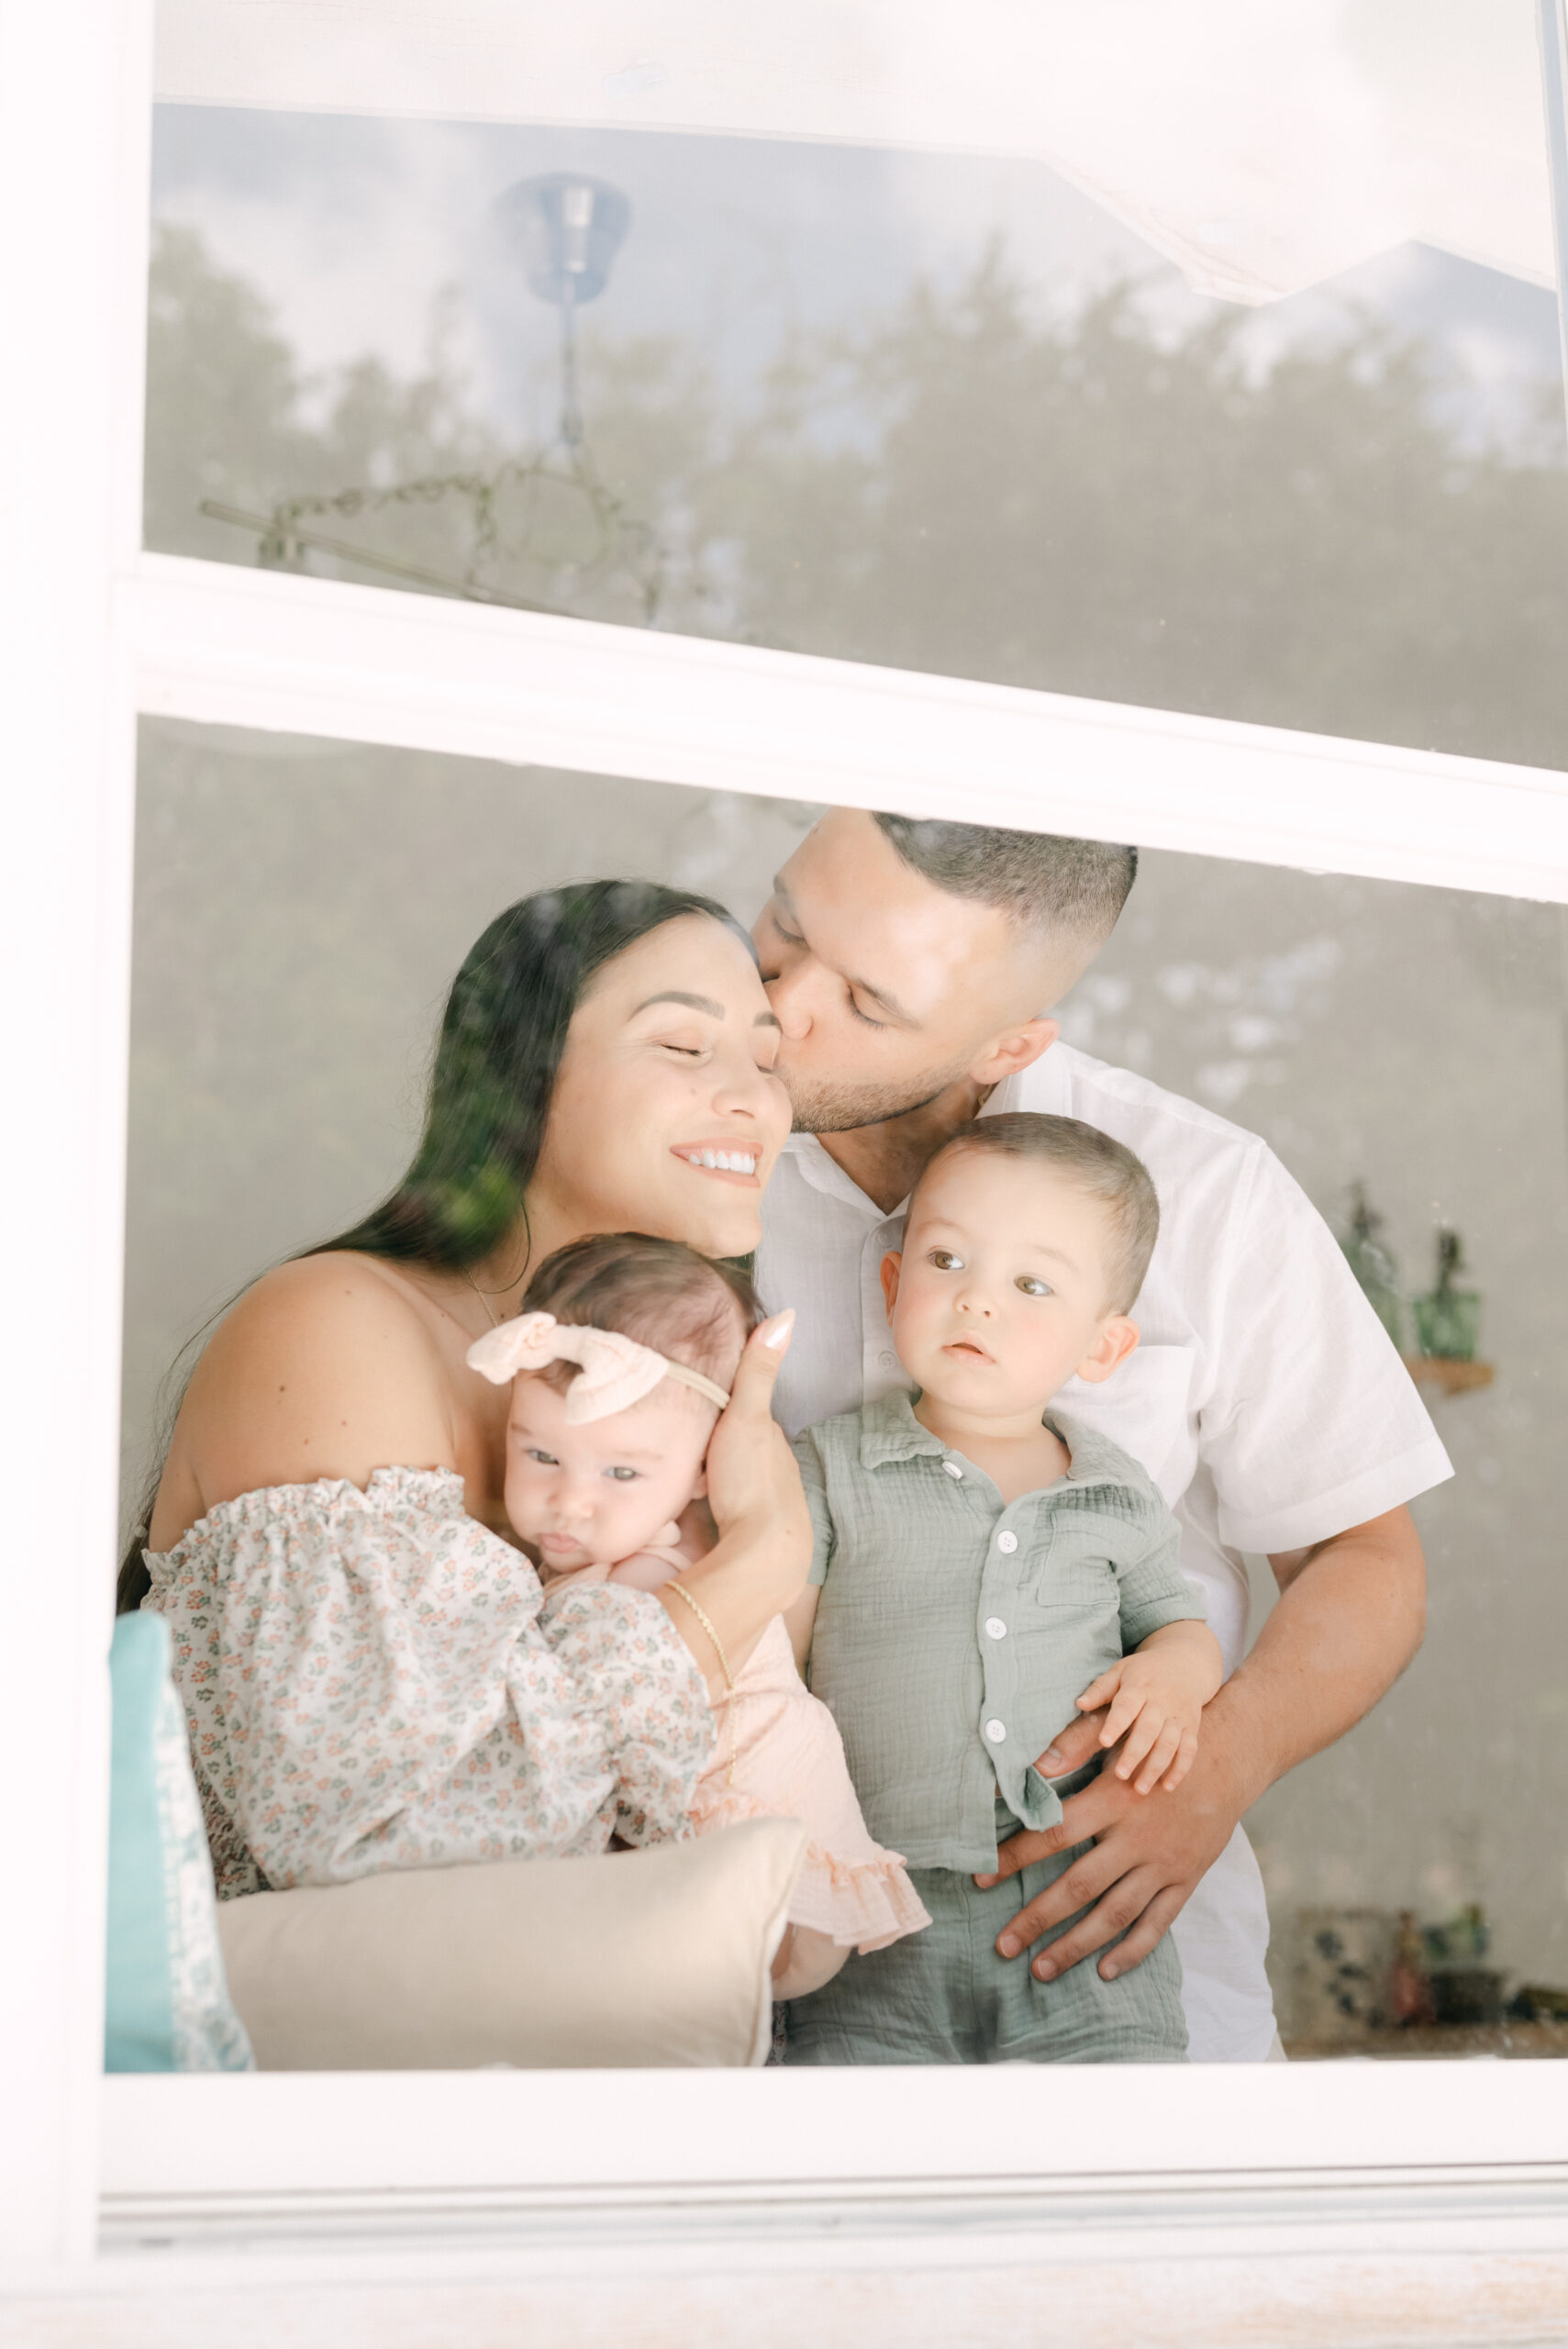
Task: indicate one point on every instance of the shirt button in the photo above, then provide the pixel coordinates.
(1006, 1543)
(995, 1628)
(952, 1467)
(996, 1732)
(888, 1361)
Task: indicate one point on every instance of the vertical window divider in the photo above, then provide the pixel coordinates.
(75, 110)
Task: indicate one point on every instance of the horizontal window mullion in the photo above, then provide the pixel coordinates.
(231, 646)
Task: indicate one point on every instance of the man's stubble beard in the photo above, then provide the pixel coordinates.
(840, 1109)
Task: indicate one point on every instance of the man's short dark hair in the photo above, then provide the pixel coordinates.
(1044, 880)
(1105, 1168)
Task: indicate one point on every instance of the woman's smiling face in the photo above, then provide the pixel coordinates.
(666, 1117)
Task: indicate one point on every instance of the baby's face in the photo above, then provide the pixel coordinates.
(1000, 1293)
(594, 1494)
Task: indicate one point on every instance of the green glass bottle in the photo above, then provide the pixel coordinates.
(1448, 1321)
(1373, 1266)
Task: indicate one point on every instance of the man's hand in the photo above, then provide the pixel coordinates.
(1149, 1853)
(1350, 1617)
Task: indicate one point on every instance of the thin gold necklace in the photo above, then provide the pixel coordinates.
(479, 1293)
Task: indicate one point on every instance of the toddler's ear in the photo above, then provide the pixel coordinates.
(1116, 1340)
(892, 1265)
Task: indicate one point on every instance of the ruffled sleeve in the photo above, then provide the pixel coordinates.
(370, 1685)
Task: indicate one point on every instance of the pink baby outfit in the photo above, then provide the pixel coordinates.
(779, 1756)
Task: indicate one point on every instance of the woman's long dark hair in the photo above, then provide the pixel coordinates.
(498, 1055)
(501, 1037)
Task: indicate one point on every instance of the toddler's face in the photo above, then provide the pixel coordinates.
(594, 1494)
(1000, 1292)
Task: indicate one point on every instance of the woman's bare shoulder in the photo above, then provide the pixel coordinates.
(325, 1367)
(332, 1315)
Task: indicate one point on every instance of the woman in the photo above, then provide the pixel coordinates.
(355, 1639)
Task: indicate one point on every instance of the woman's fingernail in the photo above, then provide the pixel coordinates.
(783, 1323)
(1109, 1973)
(1008, 1945)
(1044, 1970)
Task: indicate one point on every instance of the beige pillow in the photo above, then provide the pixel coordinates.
(652, 1957)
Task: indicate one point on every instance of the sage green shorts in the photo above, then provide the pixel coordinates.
(943, 1995)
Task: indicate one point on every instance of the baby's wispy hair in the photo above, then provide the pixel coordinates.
(693, 1309)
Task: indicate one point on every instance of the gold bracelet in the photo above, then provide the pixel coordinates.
(701, 1613)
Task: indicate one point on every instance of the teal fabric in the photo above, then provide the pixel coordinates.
(166, 2002)
(955, 1633)
(943, 1995)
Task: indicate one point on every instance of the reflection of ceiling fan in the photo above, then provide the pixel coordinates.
(551, 510)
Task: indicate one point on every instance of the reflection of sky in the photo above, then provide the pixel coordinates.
(353, 228)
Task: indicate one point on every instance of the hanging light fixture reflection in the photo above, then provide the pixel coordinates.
(566, 229)
(570, 230)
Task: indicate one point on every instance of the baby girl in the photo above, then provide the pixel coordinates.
(620, 1364)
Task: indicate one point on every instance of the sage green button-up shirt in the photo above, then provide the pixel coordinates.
(954, 1634)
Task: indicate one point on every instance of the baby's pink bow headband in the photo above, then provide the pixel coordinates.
(615, 1371)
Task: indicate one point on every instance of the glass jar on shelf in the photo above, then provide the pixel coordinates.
(1447, 1320)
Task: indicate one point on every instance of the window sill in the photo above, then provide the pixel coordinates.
(924, 2166)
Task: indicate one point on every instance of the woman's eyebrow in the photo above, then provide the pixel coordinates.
(693, 1002)
(705, 1003)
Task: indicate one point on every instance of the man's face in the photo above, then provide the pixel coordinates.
(887, 989)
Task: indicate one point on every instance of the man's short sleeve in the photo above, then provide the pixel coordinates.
(1312, 1423)
(813, 1476)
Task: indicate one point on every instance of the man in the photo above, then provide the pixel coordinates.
(908, 964)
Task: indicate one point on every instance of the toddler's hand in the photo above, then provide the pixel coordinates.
(1156, 1698)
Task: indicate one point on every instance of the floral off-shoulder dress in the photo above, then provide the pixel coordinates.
(368, 1686)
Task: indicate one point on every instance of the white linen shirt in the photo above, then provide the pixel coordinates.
(1264, 1399)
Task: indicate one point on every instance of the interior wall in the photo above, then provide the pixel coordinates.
(1414, 1039)
(301, 908)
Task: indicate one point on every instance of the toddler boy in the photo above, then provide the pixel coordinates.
(984, 1567)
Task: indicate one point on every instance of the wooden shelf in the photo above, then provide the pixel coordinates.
(1519, 2040)
(1447, 1371)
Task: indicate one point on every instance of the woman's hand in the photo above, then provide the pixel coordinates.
(759, 1566)
(753, 1480)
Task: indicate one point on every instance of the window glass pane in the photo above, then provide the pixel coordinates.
(942, 411)
(302, 906)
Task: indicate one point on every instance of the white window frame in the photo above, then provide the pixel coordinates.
(1419, 2162)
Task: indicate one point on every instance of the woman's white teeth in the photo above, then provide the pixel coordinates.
(725, 1161)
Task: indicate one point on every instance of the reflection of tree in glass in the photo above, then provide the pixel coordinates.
(1084, 505)
(434, 496)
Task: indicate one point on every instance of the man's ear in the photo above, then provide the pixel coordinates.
(1013, 1050)
(1116, 1340)
(892, 1265)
